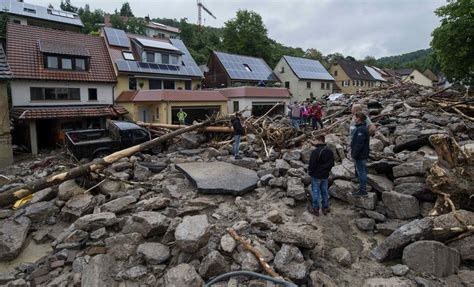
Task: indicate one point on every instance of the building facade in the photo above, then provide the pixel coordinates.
(61, 81)
(6, 152)
(23, 13)
(305, 78)
(352, 76)
(230, 70)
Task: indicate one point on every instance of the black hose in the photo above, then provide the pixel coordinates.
(251, 274)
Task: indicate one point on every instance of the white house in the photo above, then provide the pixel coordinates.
(61, 81)
(256, 101)
(305, 78)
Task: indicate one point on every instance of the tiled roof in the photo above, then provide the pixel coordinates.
(355, 70)
(428, 73)
(255, 92)
(404, 72)
(16, 7)
(171, 95)
(62, 48)
(5, 72)
(26, 60)
(159, 26)
(33, 113)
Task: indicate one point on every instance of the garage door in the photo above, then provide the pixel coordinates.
(194, 113)
(260, 108)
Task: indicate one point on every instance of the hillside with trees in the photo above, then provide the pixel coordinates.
(420, 60)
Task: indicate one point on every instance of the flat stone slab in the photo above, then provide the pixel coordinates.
(219, 177)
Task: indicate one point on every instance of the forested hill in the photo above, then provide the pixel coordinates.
(420, 60)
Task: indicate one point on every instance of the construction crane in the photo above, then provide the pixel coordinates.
(202, 7)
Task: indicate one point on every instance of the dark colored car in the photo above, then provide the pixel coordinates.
(97, 143)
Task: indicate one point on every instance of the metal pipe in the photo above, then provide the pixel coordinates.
(224, 276)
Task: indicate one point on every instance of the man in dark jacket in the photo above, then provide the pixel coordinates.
(360, 151)
(238, 131)
(320, 164)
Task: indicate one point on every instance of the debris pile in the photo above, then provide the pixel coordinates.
(188, 214)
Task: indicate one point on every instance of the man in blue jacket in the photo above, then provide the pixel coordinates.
(320, 164)
(360, 152)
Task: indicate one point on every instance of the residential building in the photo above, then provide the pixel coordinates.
(23, 13)
(430, 75)
(6, 153)
(305, 78)
(231, 70)
(152, 29)
(61, 81)
(157, 77)
(377, 74)
(352, 76)
(256, 101)
(414, 76)
(162, 106)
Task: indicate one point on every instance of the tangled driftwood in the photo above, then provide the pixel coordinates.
(452, 176)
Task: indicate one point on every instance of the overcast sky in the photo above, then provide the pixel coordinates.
(351, 27)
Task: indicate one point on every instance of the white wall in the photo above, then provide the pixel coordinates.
(298, 88)
(21, 93)
(247, 103)
(418, 78)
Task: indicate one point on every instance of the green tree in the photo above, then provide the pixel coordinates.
(136, 25)
(126, 10)
(247, 35)
(370, 61)
(316, 55)
(92, 20)
(67, 6)
(453, 40)
(117, 22)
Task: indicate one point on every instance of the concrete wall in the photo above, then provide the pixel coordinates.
(21, 93)
(298, 88)
(6, 153)
(247, 103)
(418, 78)
(150, 32)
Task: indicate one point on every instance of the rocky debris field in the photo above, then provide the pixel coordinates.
(137, 224)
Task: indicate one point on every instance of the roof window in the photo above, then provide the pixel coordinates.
(29, 10)
(127, 55)
(247, 68)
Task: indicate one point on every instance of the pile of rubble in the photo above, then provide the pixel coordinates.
(137, 224)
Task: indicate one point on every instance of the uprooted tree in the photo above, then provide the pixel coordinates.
(451, 178)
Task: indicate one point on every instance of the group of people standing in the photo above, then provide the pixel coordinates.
(305, 114)
(322, 157)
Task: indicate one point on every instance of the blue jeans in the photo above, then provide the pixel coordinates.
(295, 122)
(236, 145)
(319, 187)
(361, 170)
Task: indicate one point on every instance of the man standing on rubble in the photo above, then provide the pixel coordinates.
(320, 164)
(371, 128)
(295, 114)
(238, 131)
(360, 151)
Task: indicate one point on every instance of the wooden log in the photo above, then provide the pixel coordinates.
(255, 252)
(175, 127)
(10, 196)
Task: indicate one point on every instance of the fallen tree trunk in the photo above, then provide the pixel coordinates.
(451, 178)
(412, 145)
(10, 196)
(175, 127)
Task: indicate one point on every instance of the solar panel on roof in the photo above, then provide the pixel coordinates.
(245, 68)
(138, 67)
(117, 37)
(308, 69)
(157, 44)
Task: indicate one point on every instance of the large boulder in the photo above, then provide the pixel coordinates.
(340, 172)
(389, 282)
(193, 233)
(400, 206)
(380, 183)
(79, 205)
(376, 145)
(41, 211)
(13, 234)
(98, 272)
(410, 168)
(123, 246)
(295, 188)
(442, 224)
(392, 246)
(343, 189)
(219, 177)
(147, 223)
(95, 221)
(68, 189)
(301, 235)
(154, 253)
(341, 255)
(465, 247)
(213, 264)
(120, 204)
(320, 279)
(182, 275)
(432, 257)
(290, 262)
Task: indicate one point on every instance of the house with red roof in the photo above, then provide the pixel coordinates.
(61, 81)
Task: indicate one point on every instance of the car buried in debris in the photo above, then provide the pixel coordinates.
(96, 143)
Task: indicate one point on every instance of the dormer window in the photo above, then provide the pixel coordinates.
(65, 63)
(165, 58)
(52, 62)
(150, 57)
(64, 56)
